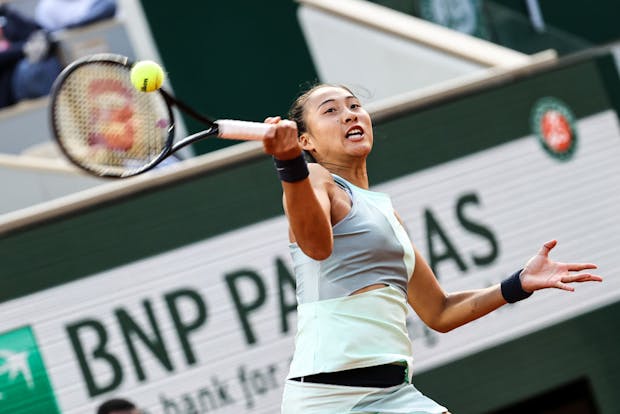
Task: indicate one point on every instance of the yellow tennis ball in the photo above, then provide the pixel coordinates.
(147, 76)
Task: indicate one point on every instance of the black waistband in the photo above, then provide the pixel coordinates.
(380, 376)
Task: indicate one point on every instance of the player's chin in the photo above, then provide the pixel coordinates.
(359, 149)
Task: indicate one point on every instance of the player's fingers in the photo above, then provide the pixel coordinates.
(271, 133)
(284, 144)
(287, 131)
(582, 277)
(272, 119)
(268, 146)
(575, 267)
(564, 286)
(287, 123)
(546, 248)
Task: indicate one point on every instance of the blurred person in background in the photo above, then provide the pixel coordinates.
(15, 31)
(28, 61)
(118, 406)
(65, 14)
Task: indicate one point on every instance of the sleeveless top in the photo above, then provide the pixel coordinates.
(336, 330)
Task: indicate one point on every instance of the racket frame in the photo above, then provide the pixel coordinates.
(125, 62)
(234, 129)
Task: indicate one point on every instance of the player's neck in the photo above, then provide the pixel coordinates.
(356, 175)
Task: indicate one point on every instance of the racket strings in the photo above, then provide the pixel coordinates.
(106, 125)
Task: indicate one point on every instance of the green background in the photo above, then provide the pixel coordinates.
(232, 59)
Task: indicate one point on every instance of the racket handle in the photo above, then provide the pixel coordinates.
(243, 130)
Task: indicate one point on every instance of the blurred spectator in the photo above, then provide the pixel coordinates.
(15, 30)
(35, 73)
(62, 14)
(117, 406)
(28, 62)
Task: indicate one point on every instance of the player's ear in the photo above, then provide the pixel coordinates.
(306, 142)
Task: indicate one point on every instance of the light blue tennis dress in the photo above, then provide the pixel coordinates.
(338, 331)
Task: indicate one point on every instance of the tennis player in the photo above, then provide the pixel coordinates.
(356, 269)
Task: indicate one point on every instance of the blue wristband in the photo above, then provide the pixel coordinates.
(292, 170)
(512, 290)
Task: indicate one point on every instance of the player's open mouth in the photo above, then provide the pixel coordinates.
(355, 133)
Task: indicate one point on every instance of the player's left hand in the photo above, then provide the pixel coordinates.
(541, 272)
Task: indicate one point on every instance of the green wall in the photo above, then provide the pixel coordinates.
(231, 59)
(594, 21)
(571, 26)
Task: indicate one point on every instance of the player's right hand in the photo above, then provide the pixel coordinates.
(283, 144)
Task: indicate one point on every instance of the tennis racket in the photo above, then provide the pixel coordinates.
(108, 128)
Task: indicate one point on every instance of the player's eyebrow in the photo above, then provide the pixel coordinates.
(333, 100)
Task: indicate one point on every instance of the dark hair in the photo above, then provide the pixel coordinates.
(115, 404)
(296, 111)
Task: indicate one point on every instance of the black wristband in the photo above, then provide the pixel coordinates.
(512, 290)
(292, 170)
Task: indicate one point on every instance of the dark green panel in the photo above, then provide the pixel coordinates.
(583, 347)
(596, 22)
(508, 22)
(231, 59)
(137, 227)
(449, 130)
(608, 71)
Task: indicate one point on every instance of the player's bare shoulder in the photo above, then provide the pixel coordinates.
(322, 180)
(339, 200)
(319, 175)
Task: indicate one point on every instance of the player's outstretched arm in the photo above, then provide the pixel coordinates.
(444, 312)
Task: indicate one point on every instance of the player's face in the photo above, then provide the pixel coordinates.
(337, 126)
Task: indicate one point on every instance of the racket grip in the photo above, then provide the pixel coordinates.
(243, 130)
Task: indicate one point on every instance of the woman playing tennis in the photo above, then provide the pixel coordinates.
(356, 268)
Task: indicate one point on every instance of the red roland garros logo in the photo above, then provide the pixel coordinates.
(554, 124)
